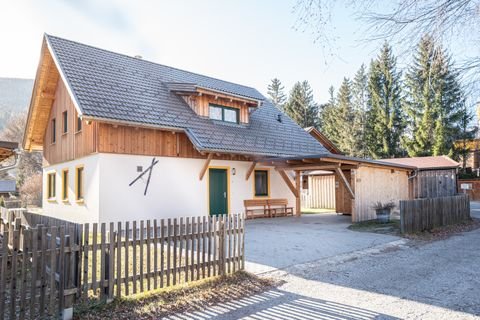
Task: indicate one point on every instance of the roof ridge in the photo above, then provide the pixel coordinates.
(152, 62)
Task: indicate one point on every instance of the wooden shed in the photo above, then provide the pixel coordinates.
(435, 176)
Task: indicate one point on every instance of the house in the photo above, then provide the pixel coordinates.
(124, 138)
(7, 187)
(436, 176)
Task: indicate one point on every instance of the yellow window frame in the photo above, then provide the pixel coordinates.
(79, 198)
(268, 183)
(51, 193)
(65, 185)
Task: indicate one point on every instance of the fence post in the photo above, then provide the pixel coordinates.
(221, 245)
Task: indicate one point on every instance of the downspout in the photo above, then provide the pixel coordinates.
(13, 166)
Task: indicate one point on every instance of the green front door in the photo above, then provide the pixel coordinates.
(218, 191)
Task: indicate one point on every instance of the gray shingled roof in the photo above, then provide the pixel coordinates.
(8, 186)
(108, 85)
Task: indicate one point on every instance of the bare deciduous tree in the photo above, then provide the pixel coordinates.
(403, 23)
(30, 163)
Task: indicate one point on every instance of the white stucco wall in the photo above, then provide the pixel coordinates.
(88, 211)
(175, 189)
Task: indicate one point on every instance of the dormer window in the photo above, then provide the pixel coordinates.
(223, 113)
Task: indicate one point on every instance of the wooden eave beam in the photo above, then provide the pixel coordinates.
(227, 97)
(305, 167)
(205, 166)
(345, 182)
(289, 182)
(250, 170)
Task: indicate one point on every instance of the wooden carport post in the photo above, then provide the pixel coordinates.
(297, 195)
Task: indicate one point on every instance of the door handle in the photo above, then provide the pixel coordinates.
(225, 194)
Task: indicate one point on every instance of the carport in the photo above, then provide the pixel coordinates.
(359, 182)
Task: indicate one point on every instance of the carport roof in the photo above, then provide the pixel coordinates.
(320, 161)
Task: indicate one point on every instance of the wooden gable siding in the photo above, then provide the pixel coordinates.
(150, 142)
(70, 145)
(200, 104)
(46, 81)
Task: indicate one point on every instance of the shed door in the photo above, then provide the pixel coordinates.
(218, 191)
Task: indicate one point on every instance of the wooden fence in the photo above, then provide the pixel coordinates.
(426, 214)
(320, 193)
(45, 269)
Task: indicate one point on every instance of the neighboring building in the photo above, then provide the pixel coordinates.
(102, 119)
(436, 176)
(7, 188)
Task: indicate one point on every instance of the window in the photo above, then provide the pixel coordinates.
(261, 183)
(65, 185)
(51, 185)
(65, 121)
(54, 130)
(79, 124)
(79, 179)
(223, 113)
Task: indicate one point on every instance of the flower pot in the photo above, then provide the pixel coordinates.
(383, 215)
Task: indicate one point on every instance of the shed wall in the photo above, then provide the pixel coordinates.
(320, 193)
(435, 183)
(377, 184)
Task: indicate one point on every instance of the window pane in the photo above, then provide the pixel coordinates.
(230, 115)
(79, 183)
(54, 130)
(79, 124)
(261, 183)
(215, 113)
(65, 185)
(65, 122)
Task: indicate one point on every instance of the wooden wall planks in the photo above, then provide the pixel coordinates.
(200, 104)
(70, 145)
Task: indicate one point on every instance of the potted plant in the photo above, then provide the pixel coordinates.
(383, 211)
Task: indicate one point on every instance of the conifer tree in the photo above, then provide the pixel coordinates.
(276, 93)
(434, 102)
(328, 117)
(346, 137)
(360, 108)
(300, 105)
(385, 123)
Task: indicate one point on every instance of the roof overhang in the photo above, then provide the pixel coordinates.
(189, 89)
(7, 149)
(41, 101)
(324, 141)
(328, 162)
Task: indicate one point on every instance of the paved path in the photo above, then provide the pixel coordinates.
(396, 280)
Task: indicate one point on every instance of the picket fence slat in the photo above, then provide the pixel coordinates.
(45, 268)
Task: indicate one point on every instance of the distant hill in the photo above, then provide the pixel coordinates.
(14, 97)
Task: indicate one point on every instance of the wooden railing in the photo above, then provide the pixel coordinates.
(43, 270)
(426, 214)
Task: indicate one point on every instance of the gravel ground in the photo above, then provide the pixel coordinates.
(404, 279)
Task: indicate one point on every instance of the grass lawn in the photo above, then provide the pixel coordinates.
(182, 298)
(311, 210)
(392, 227)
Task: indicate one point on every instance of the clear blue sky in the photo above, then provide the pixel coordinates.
(248, 42)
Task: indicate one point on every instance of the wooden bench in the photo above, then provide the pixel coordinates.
(262, 208)
(256, 208)
(279, 207)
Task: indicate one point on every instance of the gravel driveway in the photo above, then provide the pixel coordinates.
(393, 280)
(282, 242)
